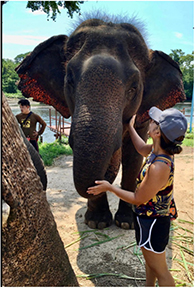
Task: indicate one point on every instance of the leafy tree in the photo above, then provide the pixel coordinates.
(176, 55)
(20, 57)
(54, 7)
(186, 63)
(9, 76)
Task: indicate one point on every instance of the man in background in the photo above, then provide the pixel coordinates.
(28, 121)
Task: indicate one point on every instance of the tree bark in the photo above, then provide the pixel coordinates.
(32, 251)
(37, 161)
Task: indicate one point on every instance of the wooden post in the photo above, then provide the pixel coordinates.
(50, 117)
(59, 127)
(192, 111)
(56, 124)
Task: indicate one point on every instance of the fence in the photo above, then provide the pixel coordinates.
(60, 126)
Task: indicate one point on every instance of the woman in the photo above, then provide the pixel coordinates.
(154, 189)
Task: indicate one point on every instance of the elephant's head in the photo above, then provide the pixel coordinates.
(101, 75)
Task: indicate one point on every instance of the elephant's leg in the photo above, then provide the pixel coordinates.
(98, 214)
(131, 164)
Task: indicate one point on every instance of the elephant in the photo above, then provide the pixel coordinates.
(101, 75)
(33, 253)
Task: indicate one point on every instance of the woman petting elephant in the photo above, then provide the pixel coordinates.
(101, 75)
(154, 192)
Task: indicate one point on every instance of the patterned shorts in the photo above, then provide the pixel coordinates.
(152, 233)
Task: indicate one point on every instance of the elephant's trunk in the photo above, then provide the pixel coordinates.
(96, 132)
(97, 154)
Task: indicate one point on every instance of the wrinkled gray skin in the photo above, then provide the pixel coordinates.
(102, 75)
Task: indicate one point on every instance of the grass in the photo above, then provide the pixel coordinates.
(17, 95)
(49, 151)
(100, 238)
(183, 257)
(120, 275)
(189, 139)
(97, 238)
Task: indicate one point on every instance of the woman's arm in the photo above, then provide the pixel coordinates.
(103, 186)
(156, 177)
(139, 144)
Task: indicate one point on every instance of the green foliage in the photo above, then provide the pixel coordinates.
(64, 140)
(54, 7)
(188, 142)
(186, 63)
(19, 58)
(189, 139)
(190, 135)
(176, 55)
(9, 76)
(49, 151)
(17, 95)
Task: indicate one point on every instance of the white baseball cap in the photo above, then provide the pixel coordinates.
(172, 122)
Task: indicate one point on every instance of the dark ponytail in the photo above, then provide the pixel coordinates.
(170, 147)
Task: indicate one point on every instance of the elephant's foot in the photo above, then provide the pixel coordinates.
(98, 219)
(124, 216)
(98, 214)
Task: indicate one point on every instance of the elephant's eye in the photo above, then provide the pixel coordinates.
(132, 90)
(131, 93)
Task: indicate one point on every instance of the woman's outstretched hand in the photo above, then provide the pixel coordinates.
(102, 186)
(132, 121)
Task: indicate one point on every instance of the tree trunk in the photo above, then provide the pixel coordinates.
(37, 161)
(32, 251)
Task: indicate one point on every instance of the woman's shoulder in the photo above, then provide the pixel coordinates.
(159, 170)
(158, 174)
(163, 158)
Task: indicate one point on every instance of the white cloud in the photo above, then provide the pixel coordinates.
(23, 39)
(41, 12)
(37, 12)
(178, 35)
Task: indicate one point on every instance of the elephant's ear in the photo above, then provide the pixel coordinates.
(163, 85)
(42, 74)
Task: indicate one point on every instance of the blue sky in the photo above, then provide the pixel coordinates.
(169, 24)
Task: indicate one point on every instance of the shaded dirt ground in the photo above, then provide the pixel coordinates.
(120, 255)
(117, 255)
